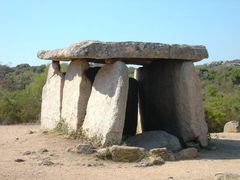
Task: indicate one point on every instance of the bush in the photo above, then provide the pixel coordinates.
(22, 106)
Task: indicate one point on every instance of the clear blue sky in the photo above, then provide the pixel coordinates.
(27, 26)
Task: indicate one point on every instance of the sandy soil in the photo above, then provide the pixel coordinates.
(15, 140)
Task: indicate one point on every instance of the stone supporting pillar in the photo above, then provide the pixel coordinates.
(107, 104)
(139, 120)
(52, 97)
(76, 92)
(170, 100)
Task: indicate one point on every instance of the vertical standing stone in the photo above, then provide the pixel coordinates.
(130, 124)
(76, 92)
(107, 103)
(139, 120)
(52, 97)
(189, 106)
(170, 100)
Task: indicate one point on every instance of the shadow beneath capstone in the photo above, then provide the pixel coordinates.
(226, 149)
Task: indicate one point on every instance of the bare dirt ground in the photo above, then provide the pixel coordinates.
(15, 140)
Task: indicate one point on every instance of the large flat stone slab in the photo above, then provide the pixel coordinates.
(107, 104)
(154, 139)
(130, 52)
(52, 97)
(76, 92)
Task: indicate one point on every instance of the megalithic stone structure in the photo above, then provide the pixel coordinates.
(76, 92)
(169, 90)
(107, 104)
(52, 97)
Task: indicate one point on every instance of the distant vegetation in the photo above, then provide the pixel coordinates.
(221, 92)
(21, 88)
(20, 93)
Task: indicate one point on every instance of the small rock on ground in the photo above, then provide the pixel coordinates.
(104, 154)
(155, 139)
(226, 176)
(188, 153)
(232, 127)
(26, 153)
(84, 149)
(31, 132)
(127, 154)
(164, 153)
(42, 150)
(150, 161)
(46, 162)
(19, 160)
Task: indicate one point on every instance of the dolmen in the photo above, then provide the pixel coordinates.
(104, 102)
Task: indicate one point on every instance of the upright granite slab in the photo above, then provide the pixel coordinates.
(189, 106)
(52, 97)
(107, 104)
(170, 100)
(76, 92)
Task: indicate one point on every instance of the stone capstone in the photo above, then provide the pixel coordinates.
(232, 127)
(129, 52)
(76, 92)
(127, 154)
(52, 97)
(107, 104)
(154, 139)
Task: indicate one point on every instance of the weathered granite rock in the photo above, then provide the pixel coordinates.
(189, 106)
(130, 125)
(226, 176)
(52, 97)
(129, 52)
(232, 127)
(84, 149)
(107, 104)
(150, 161)
(164, 153)
(126, 153)
(154, 139)
(188, 153)
(170, 100)
(76, 92)
(104, 154)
